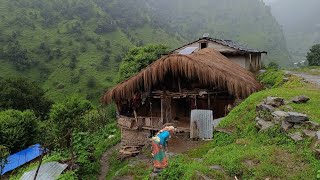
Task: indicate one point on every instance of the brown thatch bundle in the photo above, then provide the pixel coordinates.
(209, 66)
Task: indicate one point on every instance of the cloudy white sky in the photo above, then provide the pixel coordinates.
(269, 1)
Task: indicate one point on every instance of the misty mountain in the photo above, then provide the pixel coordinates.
(300, 22)
(75, 46)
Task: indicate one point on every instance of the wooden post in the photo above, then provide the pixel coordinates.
(209, 102)
(179, 85)
(162, 110)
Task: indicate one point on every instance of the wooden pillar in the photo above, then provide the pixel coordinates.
(166, 109)
(209, 102)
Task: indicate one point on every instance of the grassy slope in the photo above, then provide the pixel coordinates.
(88, 65)
(249, 154)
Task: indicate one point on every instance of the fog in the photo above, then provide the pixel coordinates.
(296, 15)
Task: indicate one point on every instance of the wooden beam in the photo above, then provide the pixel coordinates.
(209, 102)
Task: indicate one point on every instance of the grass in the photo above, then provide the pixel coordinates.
(313, 70)
(249, 154)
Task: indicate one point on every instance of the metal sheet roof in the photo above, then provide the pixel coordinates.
(188, 50)
(20, 158)
(47, 171)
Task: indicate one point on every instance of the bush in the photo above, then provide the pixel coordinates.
(138, 58)
(313, 56)
(18, 129)
(66, 116)
(4, 153)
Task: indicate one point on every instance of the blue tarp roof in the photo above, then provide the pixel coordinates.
(20, 158)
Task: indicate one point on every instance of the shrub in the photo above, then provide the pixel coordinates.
(4, 153)
(313, 56)
(66, 116)
(17, 129)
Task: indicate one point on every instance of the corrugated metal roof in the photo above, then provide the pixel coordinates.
(188, 50)
(22, 157)
(47, 171)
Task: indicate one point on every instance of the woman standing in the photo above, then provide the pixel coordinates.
(159, 148)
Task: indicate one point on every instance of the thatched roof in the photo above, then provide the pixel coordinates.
(211, 68)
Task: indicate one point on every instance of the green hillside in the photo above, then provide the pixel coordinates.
(75, 46)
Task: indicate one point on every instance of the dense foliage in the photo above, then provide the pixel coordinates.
(75, 47)
(18, 129)
(138, 58)
(66, 116)
(22, 94)
(313, 56)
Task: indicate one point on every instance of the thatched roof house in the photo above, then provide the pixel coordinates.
(168, 89)
(209, 68)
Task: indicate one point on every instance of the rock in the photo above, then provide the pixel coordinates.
(279, 116)
(264, 107)
(198, 159)
(318, 136)
(317, 153)
(274, 101)
(285, 79)
(309, 133)
(263, 125)
(297, 136)
(300, 99)
(295, 117)
(311, 125)
(217, 168)
(285, 126)
(111, 136)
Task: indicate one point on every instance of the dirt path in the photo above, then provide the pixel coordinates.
(104, 162)
(314, 79)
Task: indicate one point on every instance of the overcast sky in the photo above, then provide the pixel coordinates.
(269, 1)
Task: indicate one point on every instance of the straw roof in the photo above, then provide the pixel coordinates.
(210, 67)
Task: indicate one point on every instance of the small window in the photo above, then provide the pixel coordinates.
(203, 45)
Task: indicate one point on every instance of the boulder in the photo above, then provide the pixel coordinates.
(264, 107)
(295, 117)
(263, 125)
(297, 136)
(309, 133)
(311, 125)
(285, 126)
(274, 101)
(300, 99)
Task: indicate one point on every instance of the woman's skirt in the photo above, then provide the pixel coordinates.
(160, 160)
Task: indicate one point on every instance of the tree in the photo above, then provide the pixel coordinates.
(22, 94)
(66, 116)
(18, 129)
(138, 58)
(313, 55)
(4, 153)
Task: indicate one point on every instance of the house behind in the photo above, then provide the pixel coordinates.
(250, 59)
